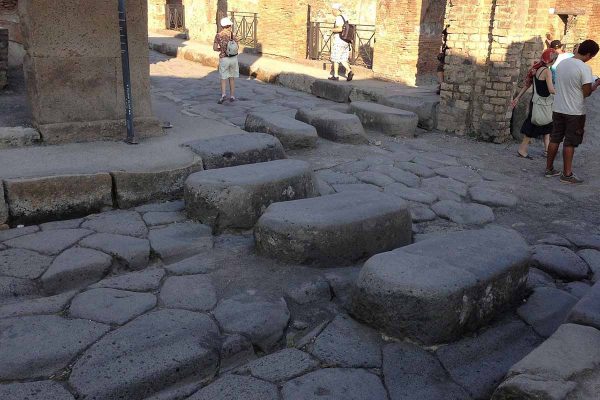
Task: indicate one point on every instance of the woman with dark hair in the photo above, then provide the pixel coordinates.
(540, 77)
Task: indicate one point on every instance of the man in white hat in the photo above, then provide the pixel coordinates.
(227, 45)
(340, 50)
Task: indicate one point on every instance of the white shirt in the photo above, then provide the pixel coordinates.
(572, 74)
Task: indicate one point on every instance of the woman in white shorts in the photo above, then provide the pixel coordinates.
(340, 50)
(228, 65)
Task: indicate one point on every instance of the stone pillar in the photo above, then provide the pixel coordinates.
(73, 69)
(3, 57)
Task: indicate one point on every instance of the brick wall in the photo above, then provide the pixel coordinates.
(8, 6)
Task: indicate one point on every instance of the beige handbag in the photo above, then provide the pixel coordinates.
(541, 114)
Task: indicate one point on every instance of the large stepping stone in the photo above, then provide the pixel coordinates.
(559, 261)
(240, 149)
(334, 125)
(235, 197)
(330, 90)
(191, 292)
(587, 310)
(388, 120)
(44, 390)
(21, 263)
(233, 387)
(120, 222)
(134, 253)
(546, 309)
(335, 384)
(464, 213)
(75, 268)
(111, 306)
(49, 242)
(292, 133)
(38, 346)
(563, 367)
(338, 229)
(435, 290)
(147, 355)
(43, 305)
(281, 366)
(178, 241)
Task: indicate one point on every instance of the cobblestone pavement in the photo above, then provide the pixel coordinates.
(145, 304)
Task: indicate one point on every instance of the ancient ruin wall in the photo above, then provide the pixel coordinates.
(9, 19)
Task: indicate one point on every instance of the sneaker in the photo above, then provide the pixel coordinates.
(334, 78)
(572, 179)
(222, 100)
(552, 173)
(350, 76)
(232, 99)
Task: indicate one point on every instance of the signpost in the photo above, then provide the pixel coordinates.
(126, 73)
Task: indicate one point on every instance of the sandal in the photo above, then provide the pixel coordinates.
(232, 99)
(524, 156)
(334, 78)
(222, 100)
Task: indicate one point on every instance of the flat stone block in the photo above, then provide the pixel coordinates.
(559, 261)
(45, 390)
(291, 133)
(340, 228)
(240, 149)
(190, 292)
(134, 253)
(235, 197)
(135, 188)
(546, 309)
(39, 306)
(334, 125)
(237, 387)
(18, 137)
(12, 289)
(587, 310)
(57, 197)
(140, 281)
(111, 306)
(178, 241)
(388, 120)
(49, 242)
(21, 263)
(435, 290)
(280, 366)
(334, 91)
(119, 222)
(464, 213)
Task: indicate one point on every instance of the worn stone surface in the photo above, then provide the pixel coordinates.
(13, 233)
(199, 264)
(57, 197)
(577, 289)
(179, 241)
(142, 281)
(236, 197)
(334, 91)
(39, 346)
(291, 133)
(356, 187)
(446, 184)
(538, 278)
(111, 306)
(546, 309)
(233, 387)
(334, 125)
(564, 366)
(12, 289)
(592, 258)
(147, 355)
(464, 213)
(236, 351)
(585, 241)
(133, 252)
(309, 291)
(280, 366)
(336, 384)
(49, 242)
(67, 224)
(491, 197)
(332, 177)
(374, 178)
(346, 343)
(43, 390)
(167, 206)
(417, 169)
(259, 319)
(75, 268)
(190, 292)
(120, 222)
(399, 175)
(587, 310)
(436, 289)
(479, 363)
(461, 174)
(20, 263)
(43, 305)
(339, 228)
(410, 194)
(239, 149)
(163, 218)
(390, 121)
(412, 373)
(559, 261)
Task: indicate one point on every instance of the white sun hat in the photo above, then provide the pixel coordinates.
(226, 22)
(336, 6)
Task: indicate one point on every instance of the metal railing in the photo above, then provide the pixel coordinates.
(175, 17)
(245, 27)
(320, 38)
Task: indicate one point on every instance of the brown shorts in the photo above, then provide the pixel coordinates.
(440, 68)
(568, 128)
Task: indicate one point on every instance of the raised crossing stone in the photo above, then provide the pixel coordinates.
(43, 305)
(235, 197)
(559, 261)
(134, 253)
(43, 390)
(280, 366)
(335, 384)
(119, 222)
(75, 268)
(340, 228)
(587, 310)
(49, 242)
(388, 120)
(457, 282)
(261, 320)
(39, 346)
(142, 281)
(233, 387)
(21, 263)
(464, 213)
(191, 292)
(239, 149)
(334, 125)
(111, 306)
(178, 241)
(292, 134)
(147, 355)
(334, 91)
(563, 367)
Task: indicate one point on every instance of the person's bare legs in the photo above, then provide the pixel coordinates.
(552, 151)
(546, 142)
(568, 152)
(347, 67)
(524, 146)
(336, 70)
(232, 87)
(223, 87)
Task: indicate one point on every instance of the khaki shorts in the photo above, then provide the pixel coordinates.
(229, 68)
(568, 128)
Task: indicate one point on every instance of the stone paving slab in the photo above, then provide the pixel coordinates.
(180, 240)
(49, 242)
(464, 213)
(111, 306)
(292, 134)
(43, 305)
(587, 310)
(142, 281)
(163, 218)
(43, 390)
(120, 222)
(12, 289)
(233, 387)
(133, 252)
(14, 233)
(546, 309)
(20, 263)
(190, 292)
(559, 261)
(280, 366)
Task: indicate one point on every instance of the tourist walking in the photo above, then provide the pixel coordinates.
(575, 83)
(539, 121)
(227, 45)
(340, 49)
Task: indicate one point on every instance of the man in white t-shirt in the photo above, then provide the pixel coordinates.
(574, 83)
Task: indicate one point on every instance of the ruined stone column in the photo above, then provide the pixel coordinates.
(73, 69)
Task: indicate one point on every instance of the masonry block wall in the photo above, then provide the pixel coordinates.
(3, 57)
(9, 18)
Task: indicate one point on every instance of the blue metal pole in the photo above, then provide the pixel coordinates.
(126, 73)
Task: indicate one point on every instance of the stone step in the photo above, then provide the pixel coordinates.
(291, 133)
(435, 290)
(388, 120)
(336, 229)
(335, 91)
(240, 149)
(235, 197)
(334, 125)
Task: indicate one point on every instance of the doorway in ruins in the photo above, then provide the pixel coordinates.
(566, 26)
(431, 40)
(175, 15)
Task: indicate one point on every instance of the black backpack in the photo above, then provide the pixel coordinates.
(348, 33)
